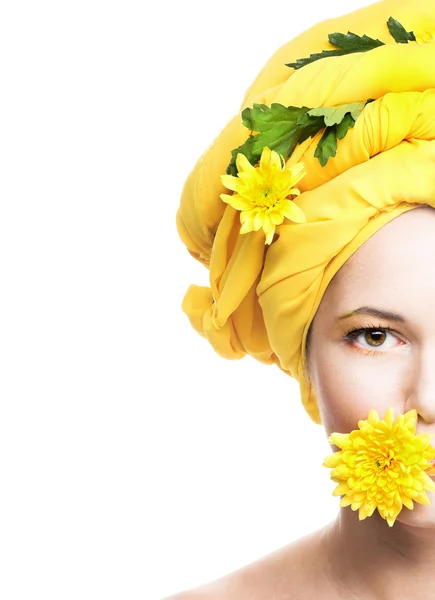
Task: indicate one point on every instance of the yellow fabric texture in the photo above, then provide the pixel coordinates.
(262, 299)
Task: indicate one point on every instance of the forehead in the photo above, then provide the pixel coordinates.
(395, 267)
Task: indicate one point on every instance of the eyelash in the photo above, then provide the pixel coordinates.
(353, 333)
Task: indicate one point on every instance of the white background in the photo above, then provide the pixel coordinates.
(134, 461)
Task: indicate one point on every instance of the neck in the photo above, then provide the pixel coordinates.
(371, 559)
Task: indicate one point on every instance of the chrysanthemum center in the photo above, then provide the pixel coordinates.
(381, 462)
(267, 197)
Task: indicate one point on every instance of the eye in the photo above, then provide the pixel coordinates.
(373, 338)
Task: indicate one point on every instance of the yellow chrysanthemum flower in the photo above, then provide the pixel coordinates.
(382, 465)
(261, 193)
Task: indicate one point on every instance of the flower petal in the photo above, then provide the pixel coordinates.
(276, 217)
(243, 164)
(226, 198)
(269, 236)
(389, 415)
(296, 169)
(245, 215)
(238, 202)
(267, 223)
(298, 173)
(258, 220)
(265, 158)
(246, 227)
(230, 182)
(293, 212)
(275, 161)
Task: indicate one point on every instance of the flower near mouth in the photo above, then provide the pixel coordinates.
(382, 465)
(261, 193)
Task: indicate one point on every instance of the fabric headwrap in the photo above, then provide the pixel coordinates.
(262, 298)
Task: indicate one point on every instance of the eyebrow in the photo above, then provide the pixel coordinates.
(375, 312)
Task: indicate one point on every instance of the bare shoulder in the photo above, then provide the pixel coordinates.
(287, 573)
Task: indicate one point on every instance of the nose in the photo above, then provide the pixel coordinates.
(421, 394)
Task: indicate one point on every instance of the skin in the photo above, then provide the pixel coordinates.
(392, 271)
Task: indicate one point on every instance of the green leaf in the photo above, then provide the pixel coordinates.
(309, 127)
(301, 62)
(338, 121)
(335, 114)
(277, 128)
(327, 146)
(281, 128)
(351, 42)
(265, 118)
(348, 43)
(399, 33)
(345, 125)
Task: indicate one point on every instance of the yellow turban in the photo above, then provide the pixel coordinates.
(263, 298)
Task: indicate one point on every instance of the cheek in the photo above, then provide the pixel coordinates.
(348, 385)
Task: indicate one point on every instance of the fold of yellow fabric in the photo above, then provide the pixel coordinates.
(261, 299)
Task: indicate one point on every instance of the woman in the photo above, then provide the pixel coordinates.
(313, 211)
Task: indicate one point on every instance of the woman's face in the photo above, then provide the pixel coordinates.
(373, 337)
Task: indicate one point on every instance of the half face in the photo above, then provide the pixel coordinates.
(373, 337)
